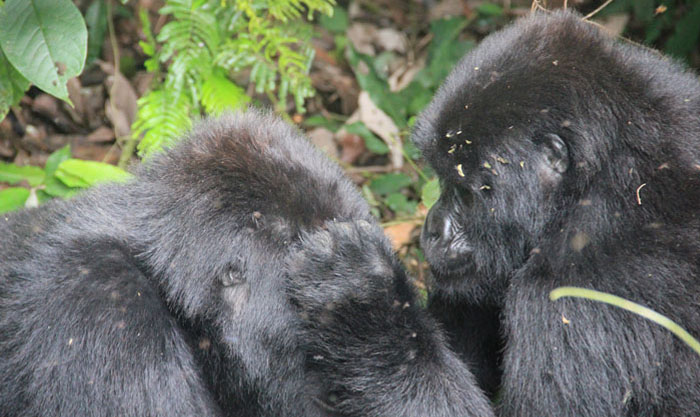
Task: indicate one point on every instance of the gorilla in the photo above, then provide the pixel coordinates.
(567, 158)
(164, 296)
(168, 296)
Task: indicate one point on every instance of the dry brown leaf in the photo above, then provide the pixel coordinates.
(75, 93)
(362, 36)
(378, 122)
(403, 76)
(100, 135)
(391, 40)
(352, 146)
(400, 234)
(324, 139)
(121, 107)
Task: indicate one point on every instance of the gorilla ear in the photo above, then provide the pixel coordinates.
(556, 153)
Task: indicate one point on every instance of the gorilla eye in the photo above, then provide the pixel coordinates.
(232, 277)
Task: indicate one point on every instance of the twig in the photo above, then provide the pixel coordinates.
(595, 12)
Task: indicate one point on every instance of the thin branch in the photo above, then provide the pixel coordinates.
(595, 12)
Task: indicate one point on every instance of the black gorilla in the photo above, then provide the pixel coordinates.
(567, 158)
(167, 296)
(164, 296)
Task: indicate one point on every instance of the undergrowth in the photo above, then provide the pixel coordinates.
(210, 48)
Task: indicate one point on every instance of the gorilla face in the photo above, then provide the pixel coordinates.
(480, 227)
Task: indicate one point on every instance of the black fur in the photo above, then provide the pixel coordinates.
(378, 351)
(165, 296)
(568, 158)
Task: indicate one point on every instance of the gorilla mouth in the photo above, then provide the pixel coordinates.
(448, 271)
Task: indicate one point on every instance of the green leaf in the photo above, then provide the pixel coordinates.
(12, 85)
(417, 96)
(373, 143)
(82, 174)
(430, 193)
(318, 120)
(55, 188)
(644, 10)
(686, 35)
(338, 23)
(389, 183)
(45, 40)
(410, 151)
(55, 159)
(13, 198)
(445, 49)
(490, 9)
(12, 174)
(398, 203)
(96, 20)
(220, 94)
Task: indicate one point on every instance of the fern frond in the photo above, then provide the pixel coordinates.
(163, 116)
(285, 10)
(219, 94)
(193, 27)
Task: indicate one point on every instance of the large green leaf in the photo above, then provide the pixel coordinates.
(399, 203)
(373, 143)
(53, 187)
(12, 174)
(338, 22)
(430, 193)
(96, 19)
(82, 174)
(13, 198)
(390, 183)
(686, 35)
(12, 85)
(55, 159)
(45, 40)
(445, 49)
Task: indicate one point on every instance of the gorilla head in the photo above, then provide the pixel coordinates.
(543, 121)
(216, 218)
(567, 157)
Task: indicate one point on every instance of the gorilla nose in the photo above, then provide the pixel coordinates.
(438, 239)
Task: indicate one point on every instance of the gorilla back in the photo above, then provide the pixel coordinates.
(163, 296)
(568, 158)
